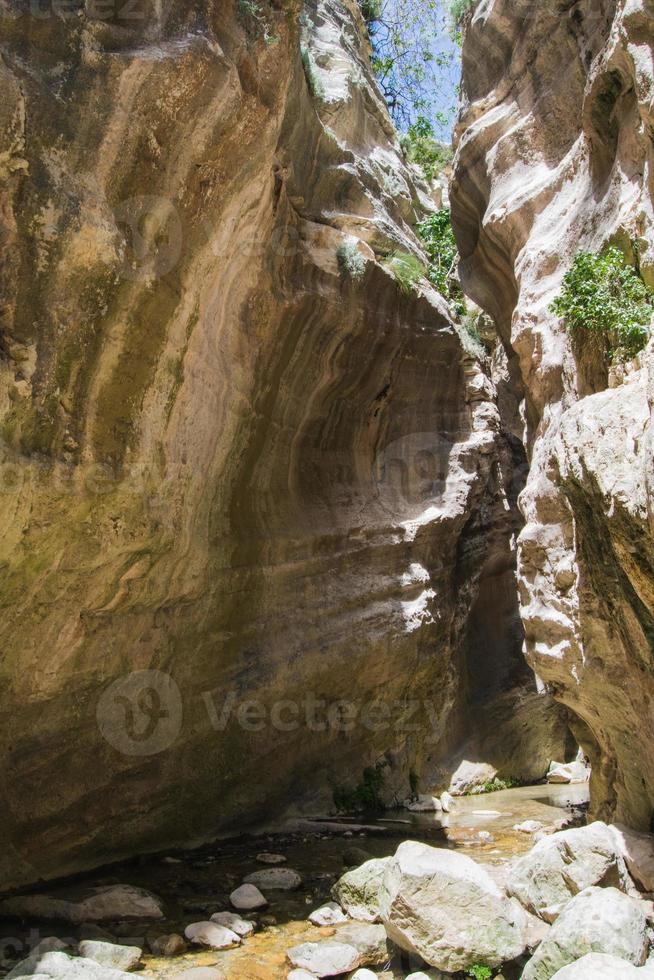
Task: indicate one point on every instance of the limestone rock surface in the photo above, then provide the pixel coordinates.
(442, 906)
(554, 157)
(225, 456)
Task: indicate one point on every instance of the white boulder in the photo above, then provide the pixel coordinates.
(275, 879)
(601, 966)
(444, 907)
(230, 920)
(110, 954)
(447, 802)
(560, 866)
(568, 772)
(638, 852)
(329, 959)
(357, 891)
(328, 915)
(86, 904)
(424, 804)
(470, 776)
(598, 920)
(211, 935)
(247, 898)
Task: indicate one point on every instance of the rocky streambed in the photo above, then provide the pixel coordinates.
(156, 904)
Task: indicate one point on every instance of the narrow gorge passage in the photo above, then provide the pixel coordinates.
(327, 628)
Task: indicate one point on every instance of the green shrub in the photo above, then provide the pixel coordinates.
(366, 797)
(494, 786)
(480, 972)
(350, 261)
(407, 269)
(602, 295)
(314, 80)
(420, 146)
(458, 10)
(440, 245)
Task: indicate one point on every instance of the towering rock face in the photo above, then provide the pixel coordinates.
(247, 495)
(555, 155)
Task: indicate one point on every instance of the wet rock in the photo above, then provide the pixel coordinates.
(470, 776)
(357, 891)
(447, 802)
(275, 879)
(528, 827)
(267, 857)
(168, 945)
(65, 967)
(424, 804)
(26, 967)
(234, 922)
(568, 772)
(444, 907)
(327, 959)
(598, 920)
(268, 920)
(370, 940)
(601, 966)
(328, 915)
(354, 856)
(560, 866)
(211, 935)
(110, 954)
(86, 904)
(247, 898)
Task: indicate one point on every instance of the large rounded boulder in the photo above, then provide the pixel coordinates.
(598, 920)
(444, 907)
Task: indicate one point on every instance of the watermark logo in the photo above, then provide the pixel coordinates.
(141, 713)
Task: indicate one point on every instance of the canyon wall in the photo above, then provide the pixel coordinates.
(555, 155)
(247, 494)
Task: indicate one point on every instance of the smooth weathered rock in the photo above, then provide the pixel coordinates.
(538, 179)
(195, 398)
(568, 772)
(86, 904)
(274, 879)
(301, 975)
(30, 964)
(601, 966)
(168, 945)
(363, 974)
(247, 898)
(447, 802)
(528, 826)
(357, 891)
(110, 954)
(598, 920)
(369, 940)
(64, 967)
(328, 915)
(325, 959)
(267, 857)
(444, 907)
(424, 804)
(563, 864)
(234, 922)
(470, 776)
(212, 935)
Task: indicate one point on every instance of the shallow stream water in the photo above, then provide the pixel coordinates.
(194, 884)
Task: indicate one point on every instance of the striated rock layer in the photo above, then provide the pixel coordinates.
(555, 155)
(225, 462)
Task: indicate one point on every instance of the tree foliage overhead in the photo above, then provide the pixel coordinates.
(414, 59)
